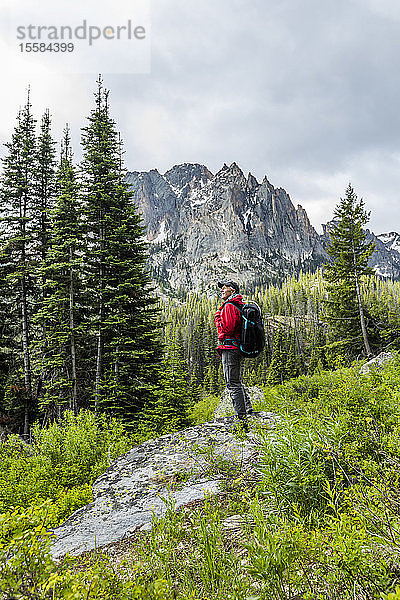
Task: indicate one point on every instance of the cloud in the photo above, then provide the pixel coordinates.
(304, 91)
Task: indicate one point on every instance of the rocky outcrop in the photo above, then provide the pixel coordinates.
(377, 362)
(171, 470)
(386, 259)
(390, 240)
(202, 226)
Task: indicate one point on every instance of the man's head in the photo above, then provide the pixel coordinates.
(228, 288)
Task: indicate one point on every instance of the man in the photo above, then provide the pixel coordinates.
(228, 322)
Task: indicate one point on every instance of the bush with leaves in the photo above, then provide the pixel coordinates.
(62, 463)
(27, 571)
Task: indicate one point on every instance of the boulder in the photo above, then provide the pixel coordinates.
(377, 362)
(171, 470)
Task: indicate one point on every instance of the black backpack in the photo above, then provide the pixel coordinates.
(252, 336)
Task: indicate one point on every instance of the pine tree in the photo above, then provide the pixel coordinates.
(42, 204)
(60, 271)
(169, 411)
(45, 185)
(17, 197)
(292, 362)
(317, 360)
(122, 312)
(277, 368)
(349, 253)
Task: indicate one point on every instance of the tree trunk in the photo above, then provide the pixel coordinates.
(25, 351)
(361, 310)
(74, 383)
(99, 361)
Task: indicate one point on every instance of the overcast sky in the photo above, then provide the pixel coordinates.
(306, 92)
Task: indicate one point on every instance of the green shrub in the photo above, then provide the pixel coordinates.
(81, 447)
(28, 572)
(203, 410)
(25, 565)
(293, 468)
(61, 464)
(392, 595)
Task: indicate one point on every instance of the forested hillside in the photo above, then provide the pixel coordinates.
(296, 323)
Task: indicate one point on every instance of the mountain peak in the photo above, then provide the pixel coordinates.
(265, 181)
(251, 181)
(205, 224)
(187, 176)
(232, 171)
(391, 240)
(234, 168)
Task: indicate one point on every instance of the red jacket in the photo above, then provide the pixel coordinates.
(228, 322)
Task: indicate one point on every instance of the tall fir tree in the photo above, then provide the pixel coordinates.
(277, 372)
(45, 185)
(122, 311)
(43, 202)
(17, 190)
(61, 281)
(349, 253)
(169, 410)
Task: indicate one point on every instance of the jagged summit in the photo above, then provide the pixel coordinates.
(251, 180)
(201, 225)
(234, 168)
(391, 240)
(181, 175)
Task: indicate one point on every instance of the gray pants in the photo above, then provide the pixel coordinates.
(231, 365)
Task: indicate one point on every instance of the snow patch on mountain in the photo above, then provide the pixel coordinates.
(391, 240)
(162, 235)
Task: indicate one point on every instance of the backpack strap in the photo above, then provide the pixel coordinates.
(240, 309)
(231, 343)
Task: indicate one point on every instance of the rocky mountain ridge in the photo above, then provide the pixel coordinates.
(202, 226)
(386, 258)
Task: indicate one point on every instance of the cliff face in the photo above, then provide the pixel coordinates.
(203, 226)
(386, 259)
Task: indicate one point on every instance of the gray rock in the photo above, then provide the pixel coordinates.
(145, 481)
(377, 362)
(202, 226)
